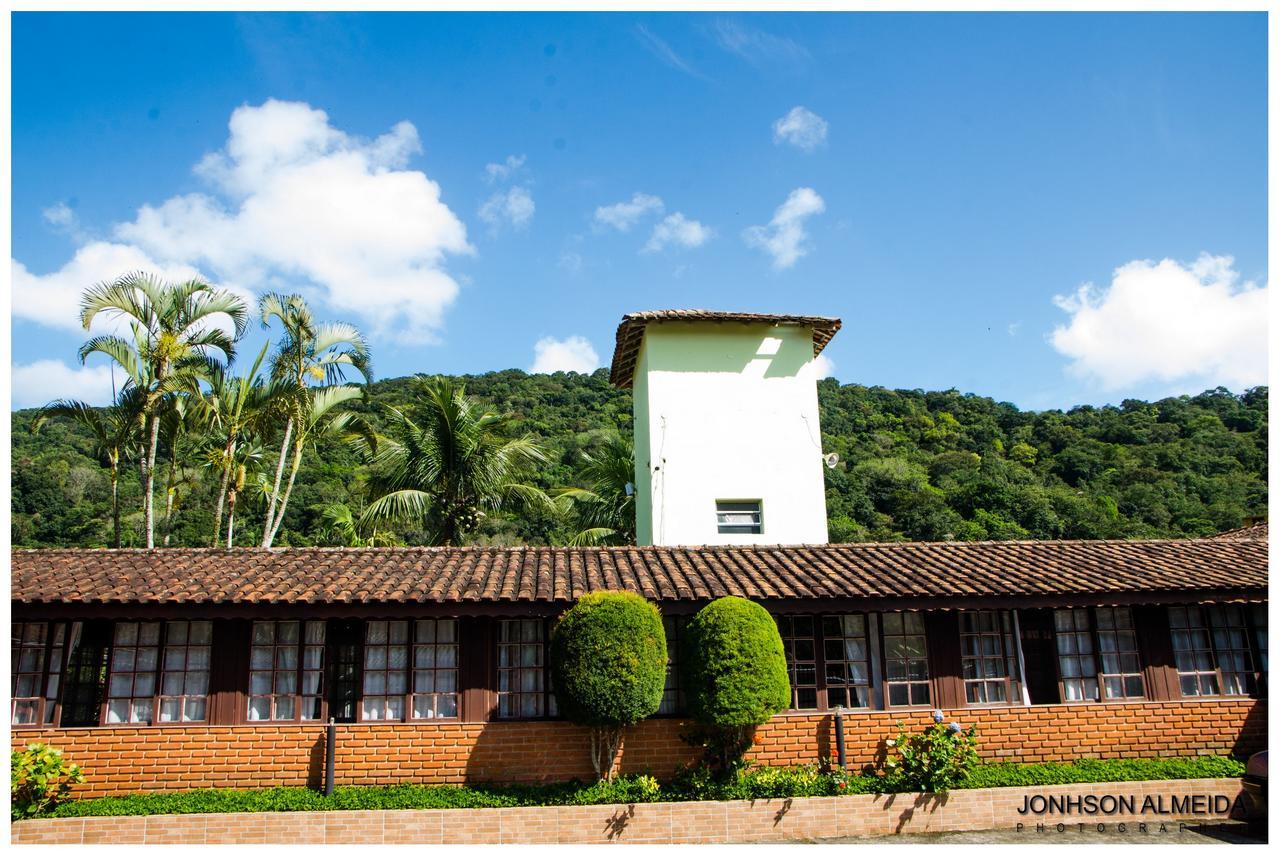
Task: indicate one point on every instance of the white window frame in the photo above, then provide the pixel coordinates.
(755, 524)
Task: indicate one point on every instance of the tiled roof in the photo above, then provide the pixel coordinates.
(631, 331)
(937, 571)
(1253, 532)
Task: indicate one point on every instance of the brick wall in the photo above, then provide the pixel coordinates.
(123, 759)
(665, 823)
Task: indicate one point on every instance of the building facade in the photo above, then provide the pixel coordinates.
(727, 439)
(191, 668)
(171, 669)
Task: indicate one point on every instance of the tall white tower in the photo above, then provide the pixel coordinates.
(728, 446)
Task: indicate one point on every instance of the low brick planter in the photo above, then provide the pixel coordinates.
(652, 823)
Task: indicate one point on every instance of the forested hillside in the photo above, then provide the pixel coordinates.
(913, 465)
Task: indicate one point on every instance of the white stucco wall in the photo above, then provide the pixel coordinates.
(727, 412)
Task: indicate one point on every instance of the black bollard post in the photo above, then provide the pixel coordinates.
(840, 756)
(328, 757)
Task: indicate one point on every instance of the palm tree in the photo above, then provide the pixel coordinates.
(450, 464)
(346, 527)
(177, 420)
(322, 418)
(174, 337)
(236, 408)
(116, 431)
(605, 511)
(310, 353)
(244, 468)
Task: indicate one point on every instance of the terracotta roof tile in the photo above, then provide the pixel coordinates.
(631, 332)
(1253, 532)
(547, 574)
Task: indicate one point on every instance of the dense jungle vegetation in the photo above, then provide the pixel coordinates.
(913, 465)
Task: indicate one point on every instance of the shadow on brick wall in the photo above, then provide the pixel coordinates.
(1252, 736)
(911, 805)
(529, 751)
(315, 762)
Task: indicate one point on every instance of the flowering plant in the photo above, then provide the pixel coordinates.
(934, 760)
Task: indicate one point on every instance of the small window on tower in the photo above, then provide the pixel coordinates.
(739, 517)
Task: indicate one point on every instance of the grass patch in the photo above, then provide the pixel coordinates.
(754, 783)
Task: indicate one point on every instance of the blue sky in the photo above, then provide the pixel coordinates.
(465, 186)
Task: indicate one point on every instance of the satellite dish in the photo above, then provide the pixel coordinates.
(831, 459)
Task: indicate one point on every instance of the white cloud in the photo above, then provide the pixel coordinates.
(677, 229)
(623, 215)
(757, 46)
(60, 215)
(514, 206)
(573, 354)
(784, 237)
(43, 381)
(295, 204)
(53, 299)
(570, 262)
(801, 128)
(665, 52)
(499, 172)
(1193, 324)
(822, 367)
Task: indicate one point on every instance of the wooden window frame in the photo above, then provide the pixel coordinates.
(53, 655)
(822, 685)
(1101, 653)
(1248, 630)
(299, 668)
(367, 670)
(790, 637)
(436, 669)
(412, 643)
(547, 701)
(114, 650)
(183, 698)
(1095, 632)
(846, 686)
(1076, 631)
(1005, 637)
(929, 681)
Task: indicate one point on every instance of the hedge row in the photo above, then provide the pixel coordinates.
(755, 783)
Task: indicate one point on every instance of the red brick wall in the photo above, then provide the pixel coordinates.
(736, 821)
(124, 759)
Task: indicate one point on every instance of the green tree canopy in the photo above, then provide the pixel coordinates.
(608, 667)
(733, 671)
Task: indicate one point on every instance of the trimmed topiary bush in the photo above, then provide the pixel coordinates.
(734, 673)
(608, 667)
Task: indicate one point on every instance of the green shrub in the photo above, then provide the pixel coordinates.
(734, 674)
(41, 779)
(696, 783)
(608, 667)
(1108, 770)
(935, 760)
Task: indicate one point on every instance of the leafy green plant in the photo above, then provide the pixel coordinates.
(1103, 770)
(735, 675)
(694, 783)
(41, 779)
(936, 760)
(608, 665)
